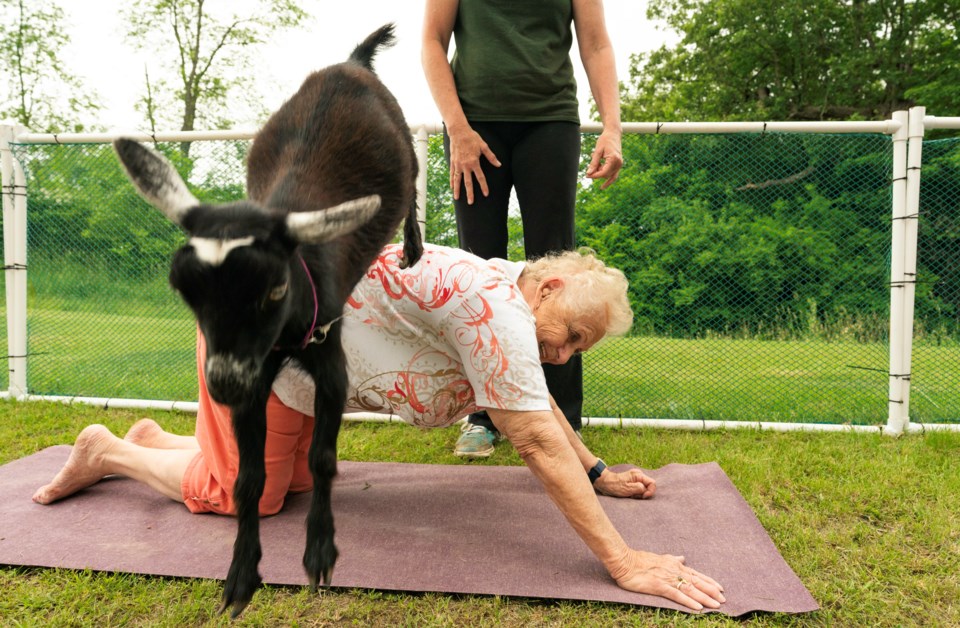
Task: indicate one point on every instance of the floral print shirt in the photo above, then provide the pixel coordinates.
(434, 342)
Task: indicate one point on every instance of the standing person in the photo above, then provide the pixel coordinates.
(508, 100)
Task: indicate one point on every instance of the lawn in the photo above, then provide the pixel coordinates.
(148, 354)
(871, 524)
(738, 380)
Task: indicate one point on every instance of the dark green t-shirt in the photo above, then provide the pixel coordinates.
(512, 60)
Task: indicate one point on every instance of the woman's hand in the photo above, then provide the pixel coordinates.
(606, 160)
(466, 149)
(666, 576)
(631, 483)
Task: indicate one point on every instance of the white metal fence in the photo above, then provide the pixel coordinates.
(906, 130)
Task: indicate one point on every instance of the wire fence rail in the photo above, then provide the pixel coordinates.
(784, 275)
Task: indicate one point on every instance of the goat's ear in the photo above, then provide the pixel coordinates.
(155, 179)
(324, 225)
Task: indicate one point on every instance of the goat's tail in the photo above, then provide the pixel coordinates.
(365, 52)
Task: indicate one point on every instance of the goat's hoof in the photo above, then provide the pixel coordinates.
(237, 595)
(236, 607)
(326, 579)
(319, 561)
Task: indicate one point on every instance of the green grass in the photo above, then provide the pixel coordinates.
(150, 356)
(112, 355)
(738, 380)
(870, 524)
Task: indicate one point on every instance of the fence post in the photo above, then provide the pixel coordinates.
(911, 230)
(15, 260)
(896, 422)
(422, 141)
(908, 145)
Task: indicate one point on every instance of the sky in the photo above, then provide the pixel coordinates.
(111, 67)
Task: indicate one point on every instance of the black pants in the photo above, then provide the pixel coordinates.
(541, 162)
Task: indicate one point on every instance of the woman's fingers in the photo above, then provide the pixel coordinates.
(606, 161)
(465, 169)
(666, 575)
(694, 588)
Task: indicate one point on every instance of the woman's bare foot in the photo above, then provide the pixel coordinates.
(83, 468)
(148, 433)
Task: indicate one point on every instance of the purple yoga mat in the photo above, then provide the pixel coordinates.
(411, 527)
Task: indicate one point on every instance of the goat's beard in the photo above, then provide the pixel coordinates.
(230, 380)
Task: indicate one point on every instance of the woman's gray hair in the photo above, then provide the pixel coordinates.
(589, 284)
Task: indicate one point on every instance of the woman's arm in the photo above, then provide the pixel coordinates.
(438, 20)
(466, 146)
(631, 483)
(540, 441)
(596, 54)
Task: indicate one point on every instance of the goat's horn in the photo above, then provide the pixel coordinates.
(155, 178)
(324, 225)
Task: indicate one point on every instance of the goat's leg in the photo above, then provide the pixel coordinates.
(250, 428)
(320, 554)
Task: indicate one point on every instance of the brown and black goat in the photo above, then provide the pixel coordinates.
(329, 178)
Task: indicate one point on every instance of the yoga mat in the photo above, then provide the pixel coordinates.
(411, 527)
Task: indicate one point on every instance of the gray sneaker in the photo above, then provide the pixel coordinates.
(476, 441)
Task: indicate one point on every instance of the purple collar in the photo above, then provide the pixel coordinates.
(316, 306)
(312, 337)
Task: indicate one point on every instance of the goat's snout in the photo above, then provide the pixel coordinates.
(230, 380)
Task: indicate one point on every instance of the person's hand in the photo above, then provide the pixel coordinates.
(666, 575)
(631, 483)
(606, 160)
(466, 149)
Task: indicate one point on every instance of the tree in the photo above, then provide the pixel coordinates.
(816, 60)
(208, 50)
(39, 91)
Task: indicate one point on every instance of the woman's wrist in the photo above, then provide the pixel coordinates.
(613, 129)
(596, 471)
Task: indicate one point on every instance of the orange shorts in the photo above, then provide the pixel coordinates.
(207, 484)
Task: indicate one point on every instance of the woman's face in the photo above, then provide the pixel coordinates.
(561, 334)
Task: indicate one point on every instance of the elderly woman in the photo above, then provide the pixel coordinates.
(431, 343)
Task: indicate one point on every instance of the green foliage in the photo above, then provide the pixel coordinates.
(84, 211)
(817, 60)
(746, 234)
(776, 235)
(441, 225)
(107, 227)
(938, 280)
(39, 91)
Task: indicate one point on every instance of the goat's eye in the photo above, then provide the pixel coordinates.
(278, 292)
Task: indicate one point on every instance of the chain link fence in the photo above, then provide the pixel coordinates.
(935, 372)
(759, 267)
(103, 321)
(759, 270)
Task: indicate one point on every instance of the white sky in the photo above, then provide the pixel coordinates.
(99, 54)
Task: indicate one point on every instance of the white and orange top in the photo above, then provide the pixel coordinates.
(434, 342)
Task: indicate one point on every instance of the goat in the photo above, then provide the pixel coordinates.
(329, 178)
